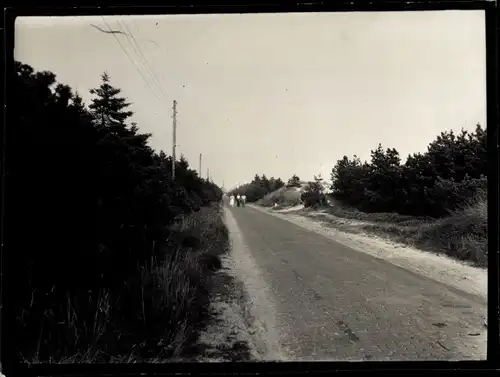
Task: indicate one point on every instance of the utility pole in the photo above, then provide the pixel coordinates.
(208, 174)
(174, 137)
(200, 167)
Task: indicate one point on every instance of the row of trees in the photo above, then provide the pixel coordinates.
(89, 203)
(259, 187)
(312, 195)
(452, 171)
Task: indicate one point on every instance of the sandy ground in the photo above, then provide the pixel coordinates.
(289, 209)
(243, 309)
(440, 268)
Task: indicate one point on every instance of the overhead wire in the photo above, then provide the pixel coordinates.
(138, 51)
(131, 61)
(127, 31)
(140, 54)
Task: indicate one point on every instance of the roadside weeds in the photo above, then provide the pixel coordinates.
(172, 297)
(246, 308)
(463, 235)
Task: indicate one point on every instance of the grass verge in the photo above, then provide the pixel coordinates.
(226, 336)
(161, 314)
(462, 235)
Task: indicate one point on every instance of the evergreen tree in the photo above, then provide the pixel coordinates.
(101, 202)
(313, 194)
(450, 173)
(294, 181)
(108, 108)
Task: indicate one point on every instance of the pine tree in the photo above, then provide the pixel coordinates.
(108, 108)
(265, 183)
(294, 181)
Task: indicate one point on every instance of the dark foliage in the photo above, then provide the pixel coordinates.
(294, 181)
(258, 188)
(97, 203)
(450, 173)
(313, 194)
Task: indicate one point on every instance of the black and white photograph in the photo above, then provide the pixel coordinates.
(306, 186)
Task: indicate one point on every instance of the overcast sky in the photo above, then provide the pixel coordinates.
(277, 93)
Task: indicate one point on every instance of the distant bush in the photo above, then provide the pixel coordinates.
(99, 206)
(313, 194)
(294, 181)
(452, 171)
(258, 188)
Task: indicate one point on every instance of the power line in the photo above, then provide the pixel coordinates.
(145, 64)
(137, 49)
(141, 63)
(131, 61)
(127, 31)
(148, 66)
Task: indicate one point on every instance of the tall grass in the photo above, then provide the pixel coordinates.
(463, 234)
(170, 301)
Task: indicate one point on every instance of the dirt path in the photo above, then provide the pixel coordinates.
(243, 328)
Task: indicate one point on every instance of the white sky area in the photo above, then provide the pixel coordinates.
(277, 93)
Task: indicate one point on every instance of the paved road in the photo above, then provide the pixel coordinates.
(333, 302)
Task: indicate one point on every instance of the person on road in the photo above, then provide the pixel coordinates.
(238, 200)
(231, 201)
(243, 200)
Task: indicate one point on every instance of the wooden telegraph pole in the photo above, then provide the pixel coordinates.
(199, 170)
(174, 137)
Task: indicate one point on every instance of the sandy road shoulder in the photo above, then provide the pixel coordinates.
(466, 278)
(247, 314)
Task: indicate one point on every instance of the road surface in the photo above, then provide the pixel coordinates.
(334, 303)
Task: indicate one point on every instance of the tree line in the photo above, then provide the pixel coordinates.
(90, 204)
(259, 187)
(450, 173)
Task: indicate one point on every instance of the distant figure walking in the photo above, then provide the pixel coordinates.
(243, 200)
(231, 201)
(238, 200)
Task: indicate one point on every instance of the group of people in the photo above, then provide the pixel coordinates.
(239, 200)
